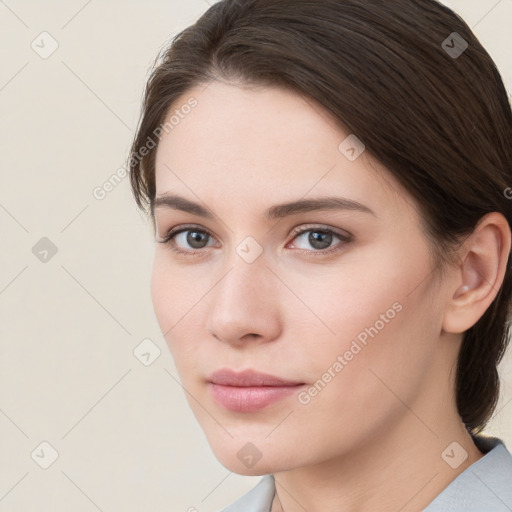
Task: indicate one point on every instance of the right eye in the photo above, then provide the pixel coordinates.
(192, 237)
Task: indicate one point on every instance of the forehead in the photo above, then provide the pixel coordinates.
(257, 144)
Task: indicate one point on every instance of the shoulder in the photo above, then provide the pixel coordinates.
(258, 499)
(485, 485)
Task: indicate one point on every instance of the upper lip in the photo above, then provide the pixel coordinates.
(228, 377)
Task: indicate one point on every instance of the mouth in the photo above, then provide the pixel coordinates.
(249, 390)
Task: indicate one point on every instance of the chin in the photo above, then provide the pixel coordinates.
(245, 458)
(259, 468)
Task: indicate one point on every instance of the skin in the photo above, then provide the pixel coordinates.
(372, 439)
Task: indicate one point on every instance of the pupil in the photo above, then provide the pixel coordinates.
(194, 237)
(324, 239)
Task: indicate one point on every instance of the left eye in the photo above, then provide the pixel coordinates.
(319, 238)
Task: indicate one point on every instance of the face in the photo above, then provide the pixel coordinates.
(339, 301)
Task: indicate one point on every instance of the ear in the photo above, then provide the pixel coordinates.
(481, 273)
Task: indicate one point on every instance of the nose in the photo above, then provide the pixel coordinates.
(244, 304)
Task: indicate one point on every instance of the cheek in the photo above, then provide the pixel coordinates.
(172, 292)
(385, 327)
(361, 300)
(174, 299)
(359, 388)
(379, 293)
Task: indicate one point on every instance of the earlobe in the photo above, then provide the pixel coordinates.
(481, 273)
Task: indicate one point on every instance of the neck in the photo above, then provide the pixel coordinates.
(403, 472)
(402, 466)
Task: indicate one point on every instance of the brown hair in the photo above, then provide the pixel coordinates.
(441, 122)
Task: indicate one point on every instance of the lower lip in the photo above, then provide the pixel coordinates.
(250, 399)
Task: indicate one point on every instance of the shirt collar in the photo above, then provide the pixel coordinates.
(485, 485)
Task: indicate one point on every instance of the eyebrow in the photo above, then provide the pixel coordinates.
(279, 211)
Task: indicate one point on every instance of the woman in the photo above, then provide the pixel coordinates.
(327, 182)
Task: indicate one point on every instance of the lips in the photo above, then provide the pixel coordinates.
(249, 378)
(249, 391)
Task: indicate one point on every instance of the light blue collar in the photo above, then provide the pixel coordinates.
(486, 486)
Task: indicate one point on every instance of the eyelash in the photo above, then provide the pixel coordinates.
(171, 234)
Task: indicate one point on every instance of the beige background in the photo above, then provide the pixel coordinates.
(125, 437)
